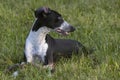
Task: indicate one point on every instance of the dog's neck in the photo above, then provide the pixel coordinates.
(40, 34)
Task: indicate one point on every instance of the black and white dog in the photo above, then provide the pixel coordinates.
(41, 45)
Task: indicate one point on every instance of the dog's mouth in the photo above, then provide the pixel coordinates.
(60, 31)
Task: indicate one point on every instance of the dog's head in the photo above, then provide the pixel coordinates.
(53, 20)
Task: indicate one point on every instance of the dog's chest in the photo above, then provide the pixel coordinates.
(37, 42)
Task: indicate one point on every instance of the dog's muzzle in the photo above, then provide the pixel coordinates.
(65, 31)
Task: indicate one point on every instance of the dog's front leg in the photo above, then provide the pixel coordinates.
(29, 50)
(29, 56)
(49, 61)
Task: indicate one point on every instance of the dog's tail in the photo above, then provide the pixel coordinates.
(85, 50)
(14, 67)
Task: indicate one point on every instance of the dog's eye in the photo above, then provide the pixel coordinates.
(58, 19)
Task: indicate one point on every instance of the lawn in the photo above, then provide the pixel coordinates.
(97, 24)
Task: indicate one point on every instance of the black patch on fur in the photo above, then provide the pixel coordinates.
(51, 20)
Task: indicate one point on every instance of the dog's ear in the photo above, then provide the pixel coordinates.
(42, 12)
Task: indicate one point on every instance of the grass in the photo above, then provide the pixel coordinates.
(97, 24)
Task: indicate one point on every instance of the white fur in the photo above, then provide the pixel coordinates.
(36, 44)
(15, 74)
(64, 26)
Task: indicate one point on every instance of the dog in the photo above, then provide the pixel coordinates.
(39, 44)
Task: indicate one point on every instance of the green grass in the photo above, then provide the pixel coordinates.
(97, 24)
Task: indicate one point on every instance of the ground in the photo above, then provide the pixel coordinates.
(97, 24)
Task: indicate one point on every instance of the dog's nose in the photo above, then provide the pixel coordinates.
(72, 29)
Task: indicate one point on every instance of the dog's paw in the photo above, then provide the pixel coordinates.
(50, 67)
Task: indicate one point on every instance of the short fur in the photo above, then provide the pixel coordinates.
(40, 44)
